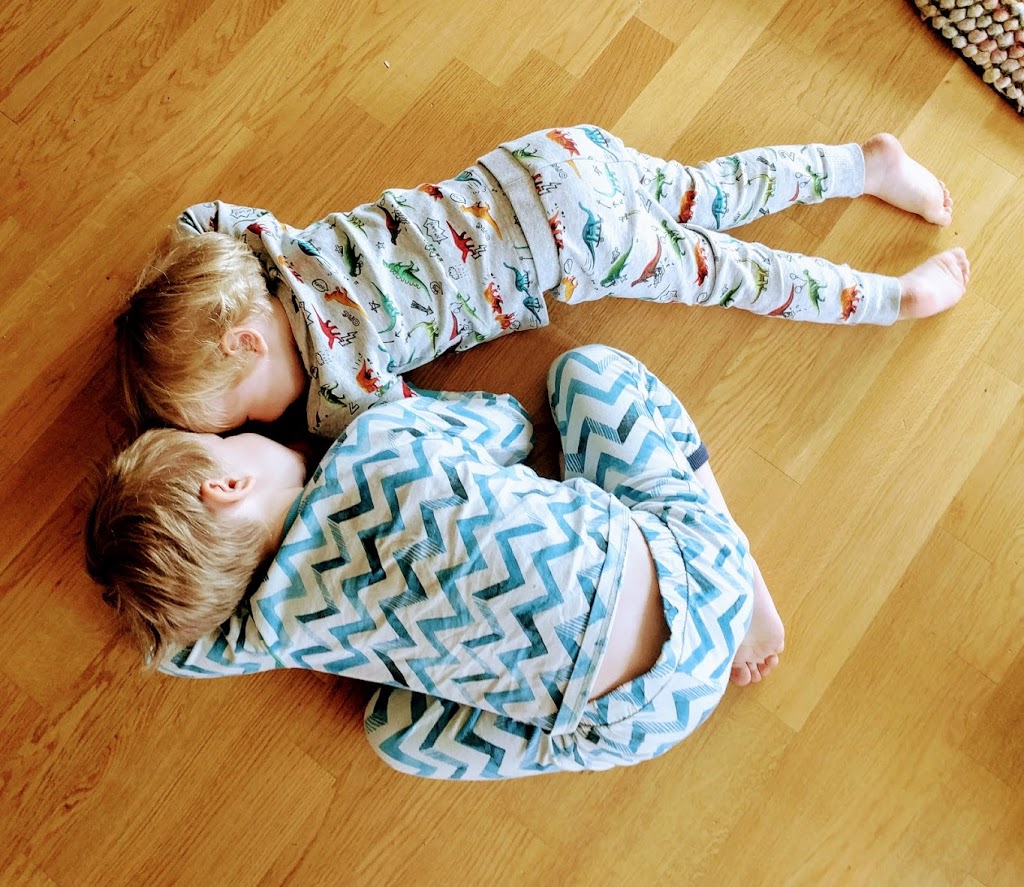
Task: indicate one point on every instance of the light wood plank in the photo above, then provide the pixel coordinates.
(877, 472)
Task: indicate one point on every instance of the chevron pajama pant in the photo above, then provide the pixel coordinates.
(625, 431)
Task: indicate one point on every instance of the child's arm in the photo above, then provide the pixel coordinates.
(496, 422)
(216, 215)
(425, 736)
(234, 648)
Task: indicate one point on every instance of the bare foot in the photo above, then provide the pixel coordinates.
(934, 285)
(890, 174)
(765, 639)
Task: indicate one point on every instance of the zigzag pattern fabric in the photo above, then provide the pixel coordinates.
(424, 557)
(623, 429)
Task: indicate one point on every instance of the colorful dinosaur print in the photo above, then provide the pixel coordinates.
(494, 298)
(281, 260)
(769, 189)
(659, 183)
(463, 241)
(464, 302)
(455, 329)
(543, 187)
(555, 223)
(849, 301)
(730, 296)
(432, 190)
(651, 268)
(522, 278)
(524, 153)
(674, 238)
(505, 320)
(719, 206)
(686, 205)
(532, 304)
(467, 176)
(598, 138)
(367, 379)
(817, 183)
(406, 272)
(257, 229)
(760, 278)
(814, 289)
(307, 249)
(564, 140)
(569, 285)
(784, 307)
(618, 266)
(353, 219)
(734, 164)
(701, 258)
(481, 210)
(591, 233)
(613, 180)
(393, 222)
(432, 328)
(353, 261)
(327, 393)
(389, 309)
(341, 296)
(329, 329)
(796, 193)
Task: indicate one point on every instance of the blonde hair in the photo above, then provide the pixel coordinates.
(172, 364)
(172, 568)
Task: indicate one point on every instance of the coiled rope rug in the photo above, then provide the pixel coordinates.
(989, 34)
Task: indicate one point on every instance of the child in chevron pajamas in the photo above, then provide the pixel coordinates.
(361, 297)
(517, 624)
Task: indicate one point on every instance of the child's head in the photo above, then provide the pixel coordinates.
(202, 344)
(180, 526)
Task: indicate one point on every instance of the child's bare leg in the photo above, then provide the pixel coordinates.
(934, 285)
(890, 174)
(765, 639)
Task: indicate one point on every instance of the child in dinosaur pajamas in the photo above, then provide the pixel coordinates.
(517, 624)
(364, 296)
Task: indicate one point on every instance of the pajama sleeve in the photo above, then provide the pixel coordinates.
(437, 739)
(235, 648)
(496, 422)
(216, 215)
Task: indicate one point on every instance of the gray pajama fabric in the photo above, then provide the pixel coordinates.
(569, 213)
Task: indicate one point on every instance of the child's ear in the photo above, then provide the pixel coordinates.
(243, 338)
(221, 491)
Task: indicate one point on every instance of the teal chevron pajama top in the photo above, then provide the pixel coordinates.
(568, 213)
(425, 557)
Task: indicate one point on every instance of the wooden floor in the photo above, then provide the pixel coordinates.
(878, 472)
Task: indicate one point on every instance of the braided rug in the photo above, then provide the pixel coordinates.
(989, 34)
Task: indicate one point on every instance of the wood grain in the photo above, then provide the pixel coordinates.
(879, 472)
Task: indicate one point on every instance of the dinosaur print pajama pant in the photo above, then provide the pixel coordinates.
(629, 225)
(625, 431)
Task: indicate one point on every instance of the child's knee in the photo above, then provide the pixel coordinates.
(590, 362)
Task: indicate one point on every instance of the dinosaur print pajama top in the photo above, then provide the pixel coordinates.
(424, 557)
(567, 213)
